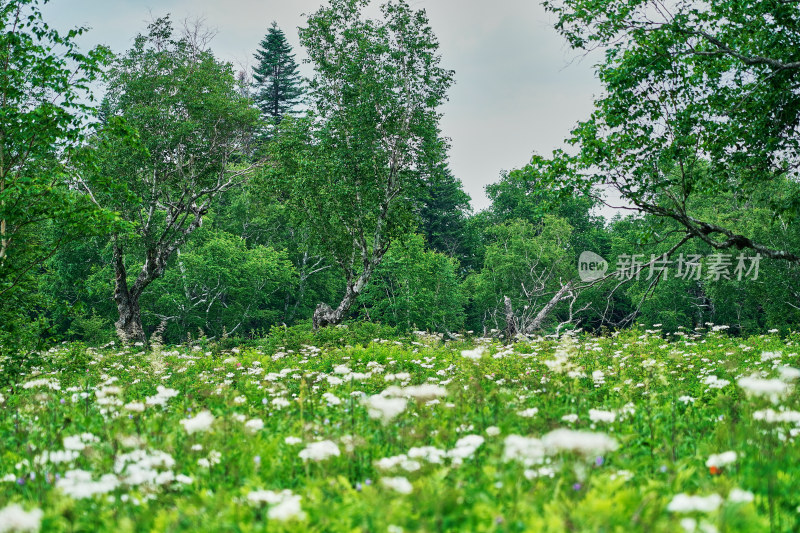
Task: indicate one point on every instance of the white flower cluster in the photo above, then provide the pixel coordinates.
(161, 396)
(684, 503)
(475, 354)
(465, 447)
(525, 450)
(78, 484)
(721, 460)
(714, 382)
(284, 505)
(774, 389)
(398, 484)
(319, 451)
(51, 384)
(581, 442)
(15, 518)
(141, 467)
(597, 415)
(561, 363)
(386, 409)
(199, 423)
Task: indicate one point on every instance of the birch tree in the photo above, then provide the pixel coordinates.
(192, 125)
(354, 165)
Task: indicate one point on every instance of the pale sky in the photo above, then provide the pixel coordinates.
(519, 89)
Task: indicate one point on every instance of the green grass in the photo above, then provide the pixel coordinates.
(663, 439)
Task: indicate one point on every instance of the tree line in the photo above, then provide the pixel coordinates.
(191, 200)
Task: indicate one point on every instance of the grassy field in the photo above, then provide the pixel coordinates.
(634, 432)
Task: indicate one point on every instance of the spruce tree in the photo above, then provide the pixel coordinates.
(277, 83)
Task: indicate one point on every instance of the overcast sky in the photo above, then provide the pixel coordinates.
(518, 89)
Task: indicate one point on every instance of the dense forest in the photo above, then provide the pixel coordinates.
(159, 191)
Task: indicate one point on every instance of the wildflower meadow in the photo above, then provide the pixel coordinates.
(636, 431)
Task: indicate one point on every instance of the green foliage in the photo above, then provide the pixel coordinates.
(747, 305)
(277, 83)
(352, 168)
(220, 286)
(699, 101)
(300, 336)
(191, 127)
(415, 288)
(528, 194)
(189, 118)
(95, 330)
(45, 92)
(444, 215)
(77, 284)
(524, 261)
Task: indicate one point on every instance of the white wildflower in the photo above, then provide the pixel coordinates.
(56, 457)
(319, 451)
(284, 505)
(716, 383)
(79, 442)
(768, 415)
(774, 389)
(331, 399)
(254, 424)
(425, 392)
(526, 450)
(738, 495)
(135, 407)
(384, 408)
(15, 518)
(789, 373)
(431, 454)
(683, 503)
(398, 484)
(597, 415)
(398, 461)
(199, 423)
(214, 457)
(288, 509)
(475, 354)
(466, 446)
(721, 460)
(51, 384)
(78, 484)
(161, 396)
(583, 442)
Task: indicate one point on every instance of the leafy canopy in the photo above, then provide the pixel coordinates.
(353, 167)
(46, 100)
(699, 99)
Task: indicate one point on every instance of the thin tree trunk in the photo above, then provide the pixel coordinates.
(4, 242)
(301, 291)
(511, 325)
(129, 326)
